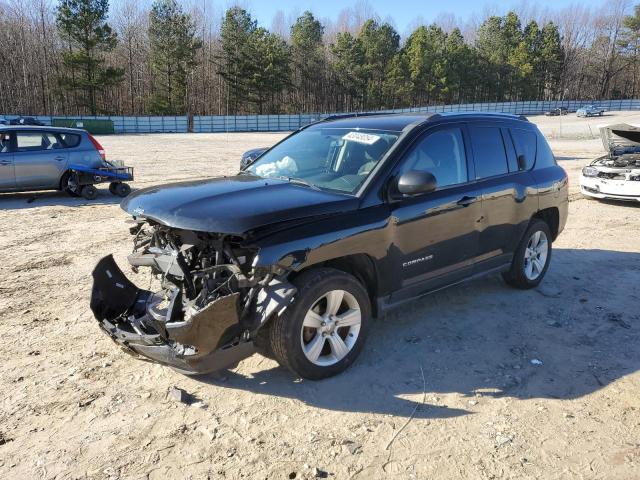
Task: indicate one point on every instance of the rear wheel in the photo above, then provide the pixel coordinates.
(532, 258)
(89, 192)
(69, 184)
(324, 329)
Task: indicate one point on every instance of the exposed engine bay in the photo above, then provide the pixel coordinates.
(211, 302)
(617, 174)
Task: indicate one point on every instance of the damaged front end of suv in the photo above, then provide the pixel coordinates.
(212, 298)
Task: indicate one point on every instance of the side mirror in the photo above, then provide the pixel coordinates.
(251, 156)
(415, 182)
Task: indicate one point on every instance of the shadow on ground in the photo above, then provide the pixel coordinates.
(17, 201)
(486, 339)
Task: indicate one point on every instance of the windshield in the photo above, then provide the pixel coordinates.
(329, 158)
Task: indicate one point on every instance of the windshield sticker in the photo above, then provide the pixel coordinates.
(359, 137)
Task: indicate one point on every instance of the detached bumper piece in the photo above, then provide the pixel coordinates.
(147, 325)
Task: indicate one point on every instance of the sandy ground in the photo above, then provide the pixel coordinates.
(450, 378)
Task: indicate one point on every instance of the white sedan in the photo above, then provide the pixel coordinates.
(615, 176)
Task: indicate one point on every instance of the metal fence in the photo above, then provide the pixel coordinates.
(285, 123)
(124, 124)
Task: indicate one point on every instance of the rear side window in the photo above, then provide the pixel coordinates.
(544, 156)
(488, 151)
(70, 140)
(525, 143)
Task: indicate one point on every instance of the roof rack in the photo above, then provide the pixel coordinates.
(487, 114)
(427, 115)
(339, 116)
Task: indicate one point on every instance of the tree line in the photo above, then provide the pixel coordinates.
(76, 57)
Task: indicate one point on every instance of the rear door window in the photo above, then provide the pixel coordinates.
(525, 143)
(36, 141)
(488, 151)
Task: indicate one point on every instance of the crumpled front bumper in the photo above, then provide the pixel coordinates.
(137, 321)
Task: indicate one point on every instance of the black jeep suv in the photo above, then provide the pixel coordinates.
(337, 223)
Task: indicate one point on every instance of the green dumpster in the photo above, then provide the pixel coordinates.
(98, 127)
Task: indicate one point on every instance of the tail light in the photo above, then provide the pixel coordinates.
(99, 147)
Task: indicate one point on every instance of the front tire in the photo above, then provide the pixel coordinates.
(324, 329)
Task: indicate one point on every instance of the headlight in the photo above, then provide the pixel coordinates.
(590, 172)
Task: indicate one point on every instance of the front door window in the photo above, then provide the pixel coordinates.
(442, 154)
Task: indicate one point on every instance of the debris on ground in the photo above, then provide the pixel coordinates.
(535, 361)
(502, 440)
(319, 473)
(352, 447)
(179, 395)
(89, 400)
(4, 439)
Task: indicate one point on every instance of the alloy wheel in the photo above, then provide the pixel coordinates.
(535, 255)
(330, 328)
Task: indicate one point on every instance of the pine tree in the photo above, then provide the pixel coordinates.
(235, 62)
(425, 50)
(82, 23)
(461, 68)
(380, 43)
(348, 67)
(173, 48)
(551, 57)
(272, 58)
(308, 59)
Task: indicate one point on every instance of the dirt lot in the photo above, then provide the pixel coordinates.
(450, 377)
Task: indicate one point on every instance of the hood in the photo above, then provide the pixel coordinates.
(620, 138)
(233, 205)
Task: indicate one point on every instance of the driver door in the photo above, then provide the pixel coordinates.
(7, 171)
(436, 234)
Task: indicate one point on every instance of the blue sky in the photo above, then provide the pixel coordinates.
(404, 12)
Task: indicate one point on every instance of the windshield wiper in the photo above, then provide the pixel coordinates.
(300, 181)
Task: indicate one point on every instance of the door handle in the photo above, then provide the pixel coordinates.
(466, 201)
(59, 158)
